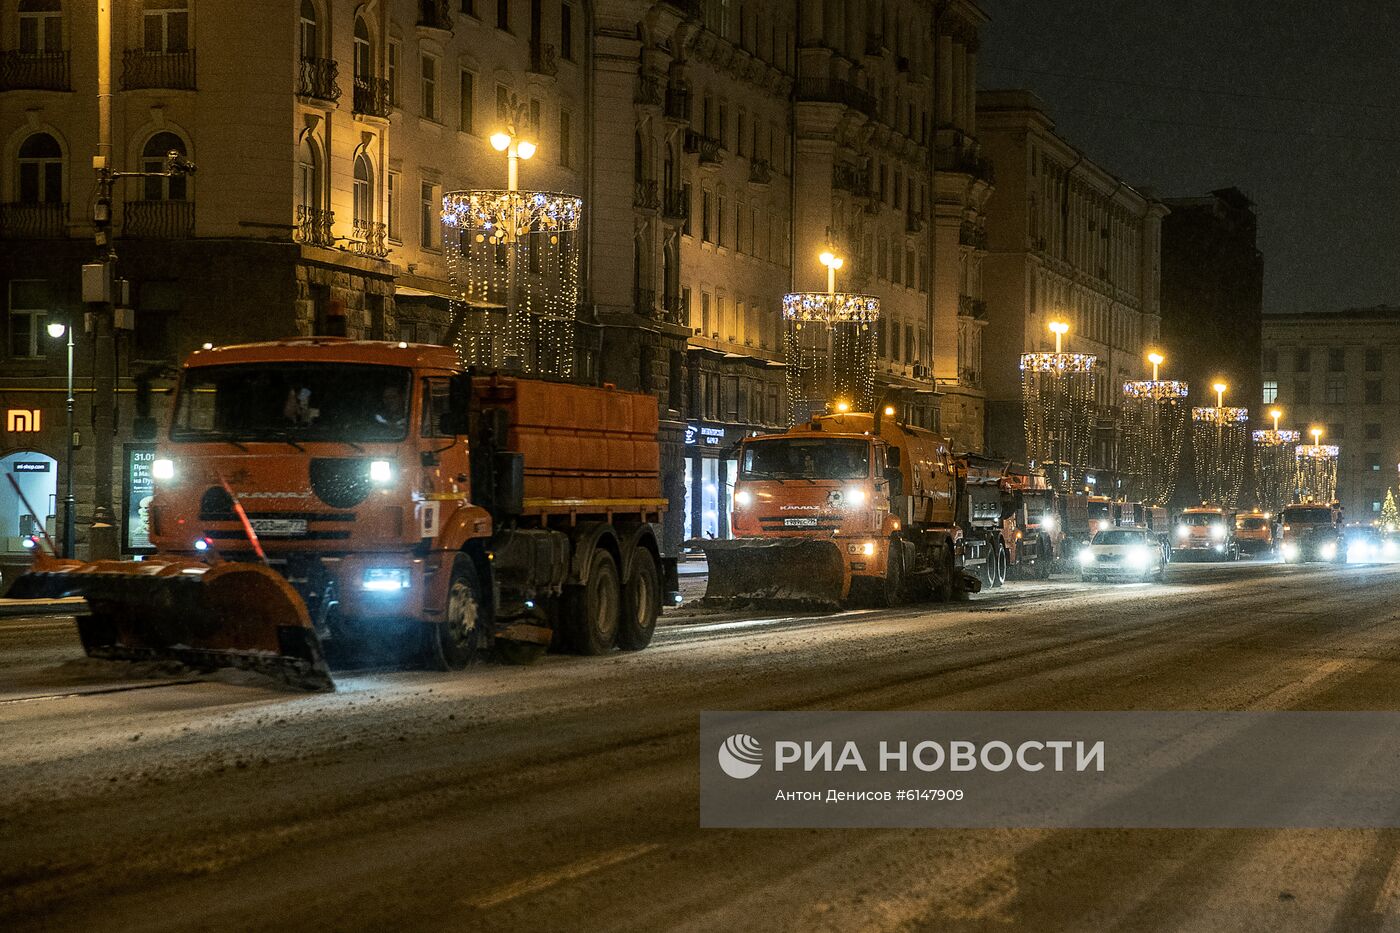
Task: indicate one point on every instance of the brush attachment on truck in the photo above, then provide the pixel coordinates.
(239, 615)
(778, 572)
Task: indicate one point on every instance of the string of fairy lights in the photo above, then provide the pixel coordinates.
(1275, 468)
(1154, 432)
(829, 341)
(1057, 395)
(1220, 441)
(1317, 471)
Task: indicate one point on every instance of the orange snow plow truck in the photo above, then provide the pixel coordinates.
(320, 490)
(847, 507)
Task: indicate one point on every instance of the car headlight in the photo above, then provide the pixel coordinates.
(1217, 532)
(385, 579)
(1086, 556)
(1183, 532)
(1047, 522)
(1290, 549)
(1138, 557)
(743, 498)
(163, 469)
(1389, 549)
(855, 497)
(381, 471)
(1328, 551)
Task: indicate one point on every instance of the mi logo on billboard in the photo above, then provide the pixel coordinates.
(23, 421)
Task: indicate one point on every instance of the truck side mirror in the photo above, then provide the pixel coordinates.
(457, 420)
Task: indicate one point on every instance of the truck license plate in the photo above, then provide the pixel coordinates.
(799, 523)
(279, 527)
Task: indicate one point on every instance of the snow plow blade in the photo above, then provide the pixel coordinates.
(775, 571)
(206, 616)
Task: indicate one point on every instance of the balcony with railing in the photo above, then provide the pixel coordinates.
(317, 79)
(435, 14)
(42, 220)
(649, 93)
(760, 172)
(675, 204)
(706, 147)
(369, 238)
(645, 196)
(173, 70)
(313, 226)
(372, 96)
(158, 220)
(543, 59)
(34, 71)
(849, 178)
(972, 307)
(837, 91)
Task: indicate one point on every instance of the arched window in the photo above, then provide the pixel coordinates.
(165, 26)
(40, 26)
(364, 51)
(153, 156)
(40, 170)
(310, 35)
(364, 190)
(309, 176)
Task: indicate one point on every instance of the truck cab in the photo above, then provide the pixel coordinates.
(1311, 531)
(1255, 533)
(1205, 532)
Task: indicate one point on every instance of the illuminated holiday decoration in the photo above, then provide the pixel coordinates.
(829, 339)
(1220, 439)
(1317, 471)
(513, 264)
(1275, 468)
(1153, 433)
(1057, 391)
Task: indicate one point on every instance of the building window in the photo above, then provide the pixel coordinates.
(1373, 462)
(1335, 391)
(1270, 391)
(1373, 432)
(40, 26)
(363, 203)
(566, 31)
(1336, 359)
(430, 87)
(166, 25)
(536, 108)
(566, 139)
(1302, 360)
(309, 176)
(1270, 361)
(1373, 359)
(1373, 391)
(428, 230)
(153, 156)
(395, 56)
(395, 180)
(467, 104)
(503, 15)
(1302, 392)
(364, 51)
(720, 238)
(1336, 432)
(40, 170)
(502, 102)
(707, 208)
(469, 9)
(28, 307)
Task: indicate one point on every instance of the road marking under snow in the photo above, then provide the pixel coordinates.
(545, 880)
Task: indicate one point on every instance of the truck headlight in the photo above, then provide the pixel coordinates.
(1328, 551)
(1183, 532)
(1290, 550)
(381, 471)
(743, 498)
(1217, 532)
(385, 579)
(855, 497)
(163, 469)
(1047, 522)
(869, 549)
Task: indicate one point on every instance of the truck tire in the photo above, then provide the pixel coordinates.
(640, 599)
(592, 610)
(997, 564)
(456, 641)
(892, 591)
(943, 584)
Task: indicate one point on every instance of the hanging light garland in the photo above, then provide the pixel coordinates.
(498, 241)
(1275, 468)
(1317, 472)
(1057, 393)
(829, 341)
(1153, 434)
(1220, 438)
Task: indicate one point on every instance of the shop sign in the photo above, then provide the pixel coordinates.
(24, 420)
(697, 435)
(29, 466)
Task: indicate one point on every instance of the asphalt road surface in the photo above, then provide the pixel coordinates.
(564, 796)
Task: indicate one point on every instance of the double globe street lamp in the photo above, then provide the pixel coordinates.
(57, 331)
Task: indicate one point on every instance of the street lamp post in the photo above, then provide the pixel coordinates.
(1275, 414)
(516, 150)
(1220, 388)
(1156, 359)
(832, 263)
(1059, 329)
(57, 331)
(1317, 436)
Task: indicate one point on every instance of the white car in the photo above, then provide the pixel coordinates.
(1123, 554)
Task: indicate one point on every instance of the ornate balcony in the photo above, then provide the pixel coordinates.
(158, 220)
(846, 177)
(435, 14)
(372, 96)
(543, 59)
(317, 79)
(760, 172)
(649, 92)
(36, 221)
(645, 196)
(369, 238)
(34, 71)
(313, 226)
(707, 148)
(837, 91)
(167, 70)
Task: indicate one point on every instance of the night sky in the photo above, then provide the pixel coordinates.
(1295, 102)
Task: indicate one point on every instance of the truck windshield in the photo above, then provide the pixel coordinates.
(816, 458)
(293, 401)
(1254, 524)
(1200, 519)
(1307, 516)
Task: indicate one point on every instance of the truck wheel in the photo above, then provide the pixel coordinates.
(456, 641)
(892, 592)
(996, 568)
(943, 586)
(592, 612)
(640, 599)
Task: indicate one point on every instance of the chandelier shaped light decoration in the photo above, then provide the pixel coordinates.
(1317, 470)
(513, 265)
(1220, 438)
(829, 339)
(1057, 390)
(1154, 431)
(1275, 466)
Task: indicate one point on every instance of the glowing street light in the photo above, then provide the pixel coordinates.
(1059, 329)
(57, 331)
(1275, 414)
(1156, 359)
(832, 263)
(515, 149)
(1317, 436)
(1219, 388)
